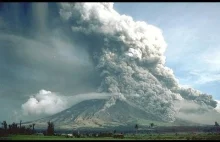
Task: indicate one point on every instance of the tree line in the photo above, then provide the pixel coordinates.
(22, 130)
(17, 128)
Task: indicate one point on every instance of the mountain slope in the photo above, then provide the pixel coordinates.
(90, 114)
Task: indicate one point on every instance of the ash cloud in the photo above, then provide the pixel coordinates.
(129, 55)
(197, 112)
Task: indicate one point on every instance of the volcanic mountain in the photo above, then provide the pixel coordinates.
(90, 114)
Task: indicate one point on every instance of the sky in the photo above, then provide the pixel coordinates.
(192, 34)
(189, 29)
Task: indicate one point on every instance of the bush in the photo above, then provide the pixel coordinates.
(194, 138)
(188, 138)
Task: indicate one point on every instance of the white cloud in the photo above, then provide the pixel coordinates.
(206, 68)
(204, 77)
(211, 59)
(176, 35)
(44, 102)
(48, 103)
(203, 67)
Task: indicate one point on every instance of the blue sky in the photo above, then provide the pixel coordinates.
(191, 31)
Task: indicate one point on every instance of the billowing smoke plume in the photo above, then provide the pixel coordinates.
(47, 102)
(130, 58)
(197, 113)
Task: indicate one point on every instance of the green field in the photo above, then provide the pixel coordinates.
(34, 137)
(127, 137)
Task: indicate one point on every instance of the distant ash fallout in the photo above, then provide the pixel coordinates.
(129, 55)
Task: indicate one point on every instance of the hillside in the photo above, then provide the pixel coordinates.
(89, 114)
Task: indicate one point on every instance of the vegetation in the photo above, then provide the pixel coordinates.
(14, 129)
(204, 136)
(15, 132)
(114, 131)
(151, 125)
(50, 128)
(216, 124)
(136, 127)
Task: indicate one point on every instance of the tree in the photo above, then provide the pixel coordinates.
(33, 126)
(4, 130)
(20, 123)
(216, 124)
(4, 125)
(114, 131)
(50, 128)
(136, 127)
(151, 125)
(13, 128)
(22, 130)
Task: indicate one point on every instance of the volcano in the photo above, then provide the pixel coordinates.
(89, 114)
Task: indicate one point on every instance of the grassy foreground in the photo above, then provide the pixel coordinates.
(34, 137)
(203, 136)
